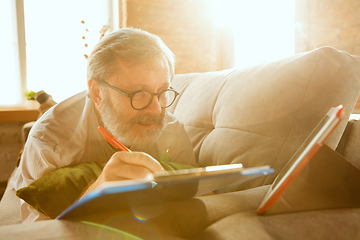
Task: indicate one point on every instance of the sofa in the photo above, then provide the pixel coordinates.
(256, 116)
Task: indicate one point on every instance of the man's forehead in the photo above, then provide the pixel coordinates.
(141, 74)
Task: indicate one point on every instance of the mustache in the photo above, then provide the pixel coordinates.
(148, 119)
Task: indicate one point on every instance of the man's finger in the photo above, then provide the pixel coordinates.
(139, 159)
(130, 171)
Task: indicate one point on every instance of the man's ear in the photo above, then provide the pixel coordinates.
(95, 92)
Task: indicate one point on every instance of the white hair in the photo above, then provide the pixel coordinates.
(130, 46)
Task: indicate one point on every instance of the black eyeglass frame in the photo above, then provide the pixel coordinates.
(131, 95)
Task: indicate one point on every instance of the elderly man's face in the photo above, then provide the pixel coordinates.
(134, 128)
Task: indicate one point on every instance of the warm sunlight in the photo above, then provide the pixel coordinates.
(55, 48)
(53, 53)
(8, 69)
(263, 30)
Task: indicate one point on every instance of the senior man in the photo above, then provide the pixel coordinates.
(129, 74)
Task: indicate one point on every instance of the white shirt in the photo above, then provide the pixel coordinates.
(67, 134)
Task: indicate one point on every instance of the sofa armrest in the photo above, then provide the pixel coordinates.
(350, 141)
(9, 206)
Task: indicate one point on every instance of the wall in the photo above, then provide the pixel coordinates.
(185, 26)
(10, 146)
(335, 23)
(329, 23)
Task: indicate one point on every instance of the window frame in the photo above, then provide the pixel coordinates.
(20, 26)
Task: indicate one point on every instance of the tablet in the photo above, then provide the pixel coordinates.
(302, 156)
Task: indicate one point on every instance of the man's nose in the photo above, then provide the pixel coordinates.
(154, 107)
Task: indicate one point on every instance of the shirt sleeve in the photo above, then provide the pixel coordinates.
(29, 214)
(37, 160)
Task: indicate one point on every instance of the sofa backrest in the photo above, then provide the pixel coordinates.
(261, 115)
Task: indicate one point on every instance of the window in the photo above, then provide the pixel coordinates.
(262, 30)
(9, 61)
(52, 58)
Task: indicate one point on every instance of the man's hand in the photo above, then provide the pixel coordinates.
(127, 165)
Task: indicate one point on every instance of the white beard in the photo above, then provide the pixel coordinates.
(123, 130)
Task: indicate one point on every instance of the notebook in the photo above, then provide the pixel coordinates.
(301, 158)
(142, 195)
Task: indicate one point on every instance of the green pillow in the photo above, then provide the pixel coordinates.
(171, 166)
(56, 191)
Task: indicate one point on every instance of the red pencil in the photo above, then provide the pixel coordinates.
(112, 140)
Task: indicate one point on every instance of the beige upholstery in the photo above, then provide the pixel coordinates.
(9, 206)
(261, 115)
(349, 144)
(326, 224)
(256, 116)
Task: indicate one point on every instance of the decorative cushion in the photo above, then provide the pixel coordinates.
(261, 115)
(56, 191)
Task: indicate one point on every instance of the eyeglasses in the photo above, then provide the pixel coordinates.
(141, 99)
